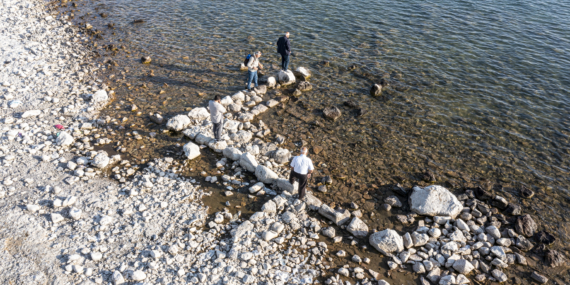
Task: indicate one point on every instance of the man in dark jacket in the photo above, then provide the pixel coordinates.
(284, 48)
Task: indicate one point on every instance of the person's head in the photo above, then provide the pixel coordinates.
(304, 150)
(217, 98)
(257, 54)
(287, 34)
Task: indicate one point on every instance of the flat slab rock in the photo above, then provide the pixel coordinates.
(434, 201)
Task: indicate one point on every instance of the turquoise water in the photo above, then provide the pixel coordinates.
(477, 88)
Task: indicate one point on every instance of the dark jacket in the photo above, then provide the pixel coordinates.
(284, 46)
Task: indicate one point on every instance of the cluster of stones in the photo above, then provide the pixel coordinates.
(461, 237)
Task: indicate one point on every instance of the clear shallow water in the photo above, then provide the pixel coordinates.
(483, 77)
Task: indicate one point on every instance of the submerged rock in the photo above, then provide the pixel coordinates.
(544, 237)
(304, 86)
(554, 258)
(145, 59)
(434, 201)
(332, 113)
(526, 226)
(376, 90)
(157, 118)
(526, 193)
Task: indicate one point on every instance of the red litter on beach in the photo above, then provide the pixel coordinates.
(59, 127)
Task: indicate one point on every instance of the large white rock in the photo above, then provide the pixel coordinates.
(118, 278)
(241, 137)
(259, 109)
(387, 241)
(232, 153)
(286, 78)
(338, 217)
(192, 132)
(238, 97)
(31, 113)
(284, 185)
(269, 207)
(75, 213)
(242, 230)
(101, 160)
(191, 150)
(231, 125)
(199, 114)
(303, 72)
(282, 156)
(226, 101)
(64, 139)
(248, 162)
(217, 146)
(100, 96)
(178, 123)
(203, 139)
(271, 82)
(265, 174)
(434, 201)
(313, 203)
(245, 117)
(357, 227)
(463, 266)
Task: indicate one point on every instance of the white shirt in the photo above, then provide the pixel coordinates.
(216, 112)
(302, 164)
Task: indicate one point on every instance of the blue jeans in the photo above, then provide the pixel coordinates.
(251, 76)
(285, 61)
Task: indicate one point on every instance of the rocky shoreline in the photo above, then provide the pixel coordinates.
(64, 222)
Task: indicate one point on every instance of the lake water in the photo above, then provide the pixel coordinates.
(477, 95)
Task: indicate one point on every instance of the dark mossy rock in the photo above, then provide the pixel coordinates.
(544, 237)
(482, 194)
(554, 258)
(513, 210)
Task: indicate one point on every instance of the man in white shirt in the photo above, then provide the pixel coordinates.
(301, 169)
(217, 115)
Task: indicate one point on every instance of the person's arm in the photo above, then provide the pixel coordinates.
(222, 108)
(288, 46)
(311, 168)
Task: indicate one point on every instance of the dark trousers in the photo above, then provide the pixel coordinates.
(284, 61)
(302, 182)
(218, 128)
